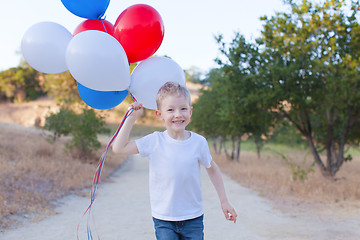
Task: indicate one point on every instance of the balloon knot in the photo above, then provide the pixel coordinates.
(101, 17)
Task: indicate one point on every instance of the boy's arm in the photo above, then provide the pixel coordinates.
(122, 145)
(215, 177)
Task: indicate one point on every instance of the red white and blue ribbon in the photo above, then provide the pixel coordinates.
(98, 174)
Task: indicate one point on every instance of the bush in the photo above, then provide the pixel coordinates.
(83, 128)
(60, 123)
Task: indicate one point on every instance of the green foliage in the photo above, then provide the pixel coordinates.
(312, 74)
(231, 107)
(20, 84)
(60, 123)
(193, 74)
(303, 72)
(62, 87)
(83, 128)
(206, 115)
(24, 83)
(287, 134)
(242, 104)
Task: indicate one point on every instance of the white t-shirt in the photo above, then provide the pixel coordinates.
(174, 172)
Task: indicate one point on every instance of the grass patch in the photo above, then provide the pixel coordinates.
(249, 145)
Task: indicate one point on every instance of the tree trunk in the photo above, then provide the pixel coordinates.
(233, 148)
(316, 156)
(215, 145)
(228, 156)
(238, 149)
(258, 145)
(20, 95)
(221, 144)
(339, 157)
(304, 126)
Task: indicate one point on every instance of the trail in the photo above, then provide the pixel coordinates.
(122, 212)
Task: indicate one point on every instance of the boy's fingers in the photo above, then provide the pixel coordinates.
(137, 106)
(140, 106)
(227, 214)
(230, 215)
(234, 215)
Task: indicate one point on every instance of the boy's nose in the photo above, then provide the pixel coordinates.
(177, 113)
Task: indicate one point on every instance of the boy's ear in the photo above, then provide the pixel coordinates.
(158, 114)
(191, 110)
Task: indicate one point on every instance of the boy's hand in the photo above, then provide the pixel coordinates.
(229, 211)
(138, 110)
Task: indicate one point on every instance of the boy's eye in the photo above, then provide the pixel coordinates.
(170, 110)
(184, 109)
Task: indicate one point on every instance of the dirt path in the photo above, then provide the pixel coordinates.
(122, 211)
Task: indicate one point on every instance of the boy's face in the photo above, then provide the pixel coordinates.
(176, 112)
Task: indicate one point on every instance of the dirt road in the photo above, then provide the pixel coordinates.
(122, 212)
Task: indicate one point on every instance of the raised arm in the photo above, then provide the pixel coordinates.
(122, 145)
(215, 177)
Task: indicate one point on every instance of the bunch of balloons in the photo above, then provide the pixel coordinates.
(98, 53)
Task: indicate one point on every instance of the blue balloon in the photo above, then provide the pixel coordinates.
(90, 9)
(99, 99)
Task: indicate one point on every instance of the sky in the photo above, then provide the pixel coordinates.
(190, 25)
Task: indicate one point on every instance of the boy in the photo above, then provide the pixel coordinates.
(174, 166)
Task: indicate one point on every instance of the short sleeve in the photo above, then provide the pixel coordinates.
(146, 144)
(205, 157)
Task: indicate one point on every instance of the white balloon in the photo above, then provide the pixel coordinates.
(150, 75)
(44, 45)
(98, 61)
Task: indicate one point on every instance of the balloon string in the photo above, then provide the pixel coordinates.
(98, 174)
(102, 21)
(132, 96)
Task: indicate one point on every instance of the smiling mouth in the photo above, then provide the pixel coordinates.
(178, 122)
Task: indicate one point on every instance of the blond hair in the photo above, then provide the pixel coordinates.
(172, 89)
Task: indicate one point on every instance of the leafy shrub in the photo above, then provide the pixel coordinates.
(82, 127)
(60, 124)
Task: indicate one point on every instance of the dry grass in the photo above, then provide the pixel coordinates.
(34, 172)
(273, 179)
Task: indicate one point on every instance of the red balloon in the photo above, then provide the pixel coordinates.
(140, 31)
(93, 24)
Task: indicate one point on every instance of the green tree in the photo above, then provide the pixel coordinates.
(206, 115)
(193, 74)
(312, 75)
(241, 106)
(20, 84)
